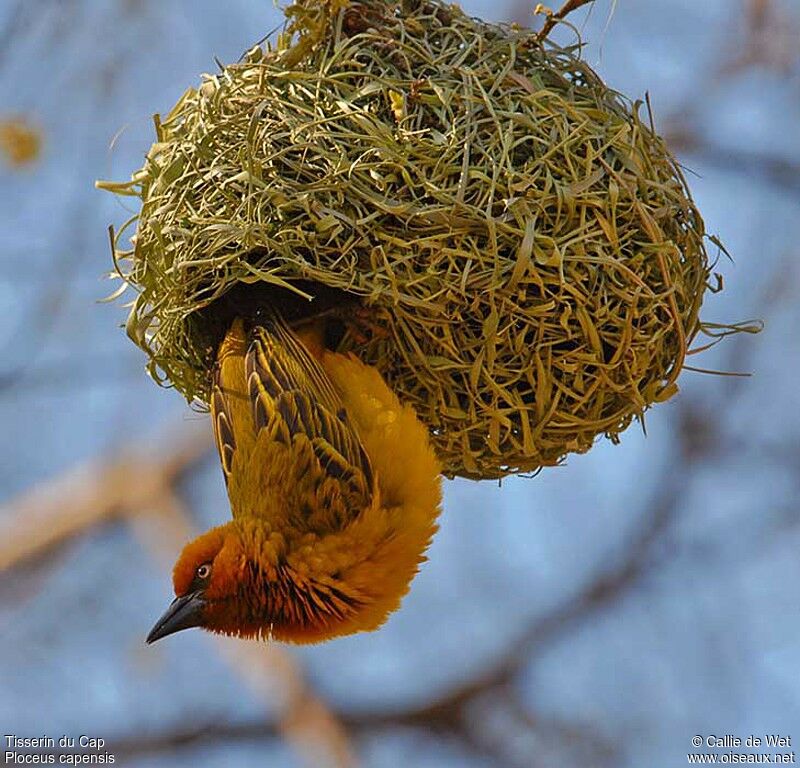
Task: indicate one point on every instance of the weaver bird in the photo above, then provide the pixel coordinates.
(334, 491)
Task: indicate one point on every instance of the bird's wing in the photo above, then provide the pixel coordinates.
(288, 386)
(291, 402)
(229, 408)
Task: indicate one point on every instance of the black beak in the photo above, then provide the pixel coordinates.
(183, 613)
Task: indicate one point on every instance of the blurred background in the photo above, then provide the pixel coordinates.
(599, 614)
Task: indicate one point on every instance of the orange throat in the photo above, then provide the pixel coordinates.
(283, 606)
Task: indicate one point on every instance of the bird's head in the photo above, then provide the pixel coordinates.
(207, 578)
(225, 585)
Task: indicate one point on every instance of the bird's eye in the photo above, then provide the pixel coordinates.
(204, 571)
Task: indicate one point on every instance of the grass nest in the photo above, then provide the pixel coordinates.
(523, 243)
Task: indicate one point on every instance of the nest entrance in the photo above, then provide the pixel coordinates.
(250, 300)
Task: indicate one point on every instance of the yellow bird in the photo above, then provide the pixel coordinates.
(334, 491)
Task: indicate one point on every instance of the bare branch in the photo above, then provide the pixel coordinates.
(554, 17)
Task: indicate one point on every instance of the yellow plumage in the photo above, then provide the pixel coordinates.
(334, 492)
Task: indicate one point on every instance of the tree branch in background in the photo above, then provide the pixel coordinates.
(686, 139)
(770, 40)
(95, 492)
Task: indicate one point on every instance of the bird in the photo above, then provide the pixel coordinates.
(334, 491)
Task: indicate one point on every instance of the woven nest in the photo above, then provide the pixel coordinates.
(523, 245)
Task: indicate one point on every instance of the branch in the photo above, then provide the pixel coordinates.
(769, 40)
(213, 733)
(554, 17)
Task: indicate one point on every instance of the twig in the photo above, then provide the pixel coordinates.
(769, 40)
(554, 17)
